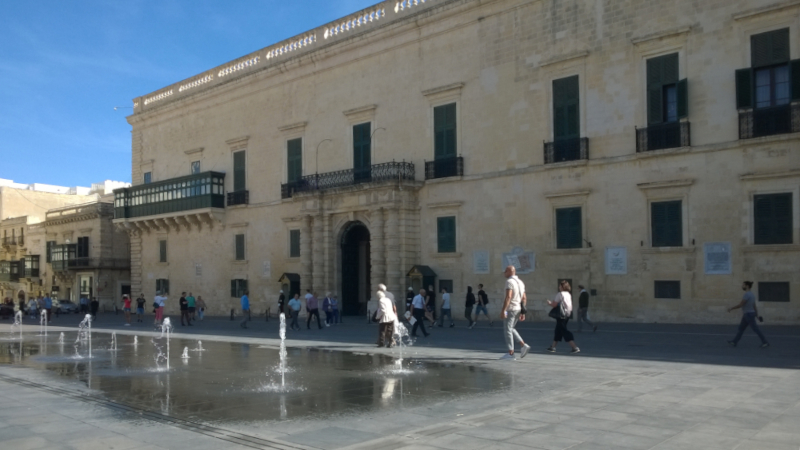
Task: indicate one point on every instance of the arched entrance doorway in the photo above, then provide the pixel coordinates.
(355, 269)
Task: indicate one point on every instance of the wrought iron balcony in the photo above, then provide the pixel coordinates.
(444, 167)
(13, 241)
(9, 271)
(238, 198)
(98, 263)
(31, 266)
(561, 150)
(761, 122)
(202, 190)
(663, 135)
(350, 177)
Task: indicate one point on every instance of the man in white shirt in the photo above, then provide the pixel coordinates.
(387, 316)
(418, 312)
(446, 309)
(513, 311)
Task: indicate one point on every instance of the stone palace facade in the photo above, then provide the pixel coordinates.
(647, 150)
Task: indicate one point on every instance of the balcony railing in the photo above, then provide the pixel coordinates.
(202, 190)
(663, 135)
(9, 271)
(238, 198)
(444, 167)
(562, 150)
(761, 122)
(350, 177)
(91, 263)
(11, 241)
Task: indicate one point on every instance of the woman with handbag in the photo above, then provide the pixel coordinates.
(562, 309)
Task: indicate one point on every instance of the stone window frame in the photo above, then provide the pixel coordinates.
(571, 199)
(288, 133)
(166, 250)
(764, 22)
(765, 184)
(289, 243)
(664, 191)
(358, 116)
(440, 96)
(445, 209)
(556, 69)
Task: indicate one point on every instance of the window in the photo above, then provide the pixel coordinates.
(239, 172)
(667, 289)
(362, 149)
(162, 251)
(569, 233)
(162, 285)
(83, 247)
(239, 247)
(773, 291)
(666, 220)
(49, 253)
(446, 234)
(195, 167)
(148, 177)
(667, 96)
(772, 219)
(566, 108)
(444, 131)
(294, 159)
(294, 243)
(238, 288)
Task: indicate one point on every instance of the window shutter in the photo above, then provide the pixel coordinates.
(240, 247)
(666, 224)
(569, 229)
(165, 283)
(744, 88)
(294, 158)
(446, 234)
(769, 48)
(566, 107)
(669, 69)
(294, 243)
(239, 161)
(683, 99)
(243, 287)
(655, 96)
(773, 219)
(674, 224)
(444, 125)
(233, 288)
(794, 74)
(162, 251)
(361, 146)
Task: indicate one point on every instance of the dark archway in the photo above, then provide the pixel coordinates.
(355, 269)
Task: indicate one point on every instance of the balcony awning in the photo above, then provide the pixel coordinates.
(421, 271)
(289, 277)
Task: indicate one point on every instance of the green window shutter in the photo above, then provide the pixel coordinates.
(294, 243)
(233, 288)
(744, 88)
(243, 287)
(239, 172)
(446, 234)
(669, 66)
(569, 228)
(666, 223)
(772, 219)
(655, 87)
(294, 158)
(683, 99)
(240, 247)
(794, 73)
(166, 286)
(362, 159)
(444, 128)
(162, 251)
(566, 107)
(769, 48)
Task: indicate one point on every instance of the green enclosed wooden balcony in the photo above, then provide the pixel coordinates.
(198, 191)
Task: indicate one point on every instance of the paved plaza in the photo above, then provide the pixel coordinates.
(633, 386)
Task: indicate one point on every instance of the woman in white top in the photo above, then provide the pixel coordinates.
(563, 301)
(387, 315)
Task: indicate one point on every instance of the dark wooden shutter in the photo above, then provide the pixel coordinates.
(666, 224)
(362, 158)
(166, 286)
(794, 77)
(294, 243)
(569, 228)
(444, 126)
(446, 234)
(773, 291)
(240, 247)
(233, 288)
(566, 108)
(683, 99)
(772, 219)
(242, 287)
(294, 158)
(769, 48)
(162, 251)
(239, 172)
(667, 289)
(744, 88)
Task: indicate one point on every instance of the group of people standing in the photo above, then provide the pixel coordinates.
(330, 306)
(190, 308)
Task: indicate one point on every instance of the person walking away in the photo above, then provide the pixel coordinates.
(483, 300)
(326, 306)
(446, 311)
(749, 315)
(469, 305)
(281, 303)
(335, 306)
(312, 307)
(48, 306)
(201, 307)
(430, 306)
(126, 308)
(184, 305)
(192, 307)
(514, 311)
(418, 311)
(294, 308)
(409, 299)
(94, 306)
(245, 309)
(583, 309)
(84, 304)
(158, 303)
(563, 301)
(140, 301)
(387, 315)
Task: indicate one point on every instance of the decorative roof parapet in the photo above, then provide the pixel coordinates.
(367, 19)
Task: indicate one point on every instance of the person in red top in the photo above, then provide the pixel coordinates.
(126, 306)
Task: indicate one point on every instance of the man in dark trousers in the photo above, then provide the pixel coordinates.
(583, 309)
(749, 315)
(185, 310)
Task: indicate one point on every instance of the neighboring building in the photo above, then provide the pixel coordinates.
(436, 142)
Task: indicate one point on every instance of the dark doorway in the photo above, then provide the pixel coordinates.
(355, 269)
(126, 290)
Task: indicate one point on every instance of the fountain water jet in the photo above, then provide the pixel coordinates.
(43, 323)
(135, 341)
(114, 341)
(61, 338)
(282, 367)
(85, 332)
(17, 324)
(185, 354)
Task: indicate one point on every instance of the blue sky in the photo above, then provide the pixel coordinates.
(65, 65)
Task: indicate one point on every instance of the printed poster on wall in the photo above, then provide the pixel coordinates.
(480, 262)
(616, 260)
(266, 270)
(524, 262)
(717, 256)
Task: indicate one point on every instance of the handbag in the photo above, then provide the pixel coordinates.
(556, 312)
(375, 316)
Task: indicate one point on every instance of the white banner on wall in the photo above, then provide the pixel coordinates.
(616, 260)
(480, 262)
(717, 257)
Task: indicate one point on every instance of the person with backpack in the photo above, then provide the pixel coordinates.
(483, 300)
(470, 303)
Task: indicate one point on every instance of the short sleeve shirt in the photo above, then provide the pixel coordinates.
(517, 288)
(126, 302)
(749, 303)
(482, 296)
(446, 301)
(418, 302)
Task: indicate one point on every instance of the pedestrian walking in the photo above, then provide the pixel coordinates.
(192, 303)
(328, 308)
(312, 308)
(294, 308)
(335, 306)
(583, 309)
(749, 315)
(201, 307)
(387, 315)
(470, 303)
(409, 298)
(94, 305)
(245, 309)
(418, 311)
(563, 303)
(140, 302)
(184, 305)
(430, 306)
(84, 304)
(126, 308)
(281, 302)
(48, 306)
(514, 311)
(483, 300)
(446, 311)
(158, 306)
